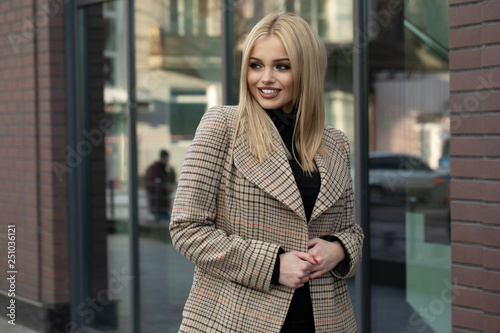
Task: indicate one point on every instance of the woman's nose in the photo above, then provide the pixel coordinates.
(268, 75)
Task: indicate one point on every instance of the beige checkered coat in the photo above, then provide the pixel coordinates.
(231, 218)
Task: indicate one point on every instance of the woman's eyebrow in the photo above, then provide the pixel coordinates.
(275, 60)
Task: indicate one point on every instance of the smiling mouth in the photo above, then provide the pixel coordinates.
(270, 91)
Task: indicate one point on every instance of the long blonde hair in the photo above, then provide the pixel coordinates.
(307, 56)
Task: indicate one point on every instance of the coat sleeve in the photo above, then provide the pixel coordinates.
(351, 235)
(195, 214)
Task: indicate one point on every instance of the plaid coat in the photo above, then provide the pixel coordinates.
(230, 217)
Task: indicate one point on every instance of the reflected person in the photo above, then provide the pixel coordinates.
(160, 183)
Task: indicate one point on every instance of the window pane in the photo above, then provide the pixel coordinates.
(408, 95)
(178, 68)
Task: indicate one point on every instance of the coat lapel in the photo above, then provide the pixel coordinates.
(332, 168)
(273, 176)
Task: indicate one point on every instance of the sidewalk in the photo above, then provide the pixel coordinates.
(5, 327)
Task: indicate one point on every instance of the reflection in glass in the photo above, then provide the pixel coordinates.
(178, 69)
(409, 166)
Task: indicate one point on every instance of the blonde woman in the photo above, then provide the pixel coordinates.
(264, 205)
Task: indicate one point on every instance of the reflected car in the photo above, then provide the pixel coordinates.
(404, 177)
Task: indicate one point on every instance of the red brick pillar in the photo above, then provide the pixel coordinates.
(32, 138)
(475, 164)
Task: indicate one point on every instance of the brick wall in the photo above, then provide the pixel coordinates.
(475, 164)
(32, 138)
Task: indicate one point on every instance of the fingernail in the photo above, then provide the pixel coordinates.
(315, 260)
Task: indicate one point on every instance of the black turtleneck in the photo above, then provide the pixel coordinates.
(301, 307)
(308, 184)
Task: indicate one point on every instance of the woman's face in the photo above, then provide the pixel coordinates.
(269, 75)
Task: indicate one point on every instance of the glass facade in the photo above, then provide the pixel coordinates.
(178, 68)
(408, 166)
(178, 50)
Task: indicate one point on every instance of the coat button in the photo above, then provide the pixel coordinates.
(344, 308)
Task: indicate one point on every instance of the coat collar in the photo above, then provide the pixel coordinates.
(274, 175)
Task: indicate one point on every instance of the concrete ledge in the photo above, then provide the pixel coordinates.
(38, 316)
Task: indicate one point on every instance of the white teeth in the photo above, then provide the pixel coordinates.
(268, 91)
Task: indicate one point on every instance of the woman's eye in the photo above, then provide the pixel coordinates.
(255, 65)
(283, 67)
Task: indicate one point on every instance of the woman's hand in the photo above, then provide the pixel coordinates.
(327, 254)
(295, 268)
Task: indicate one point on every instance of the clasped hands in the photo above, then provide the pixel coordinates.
(297, 268)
